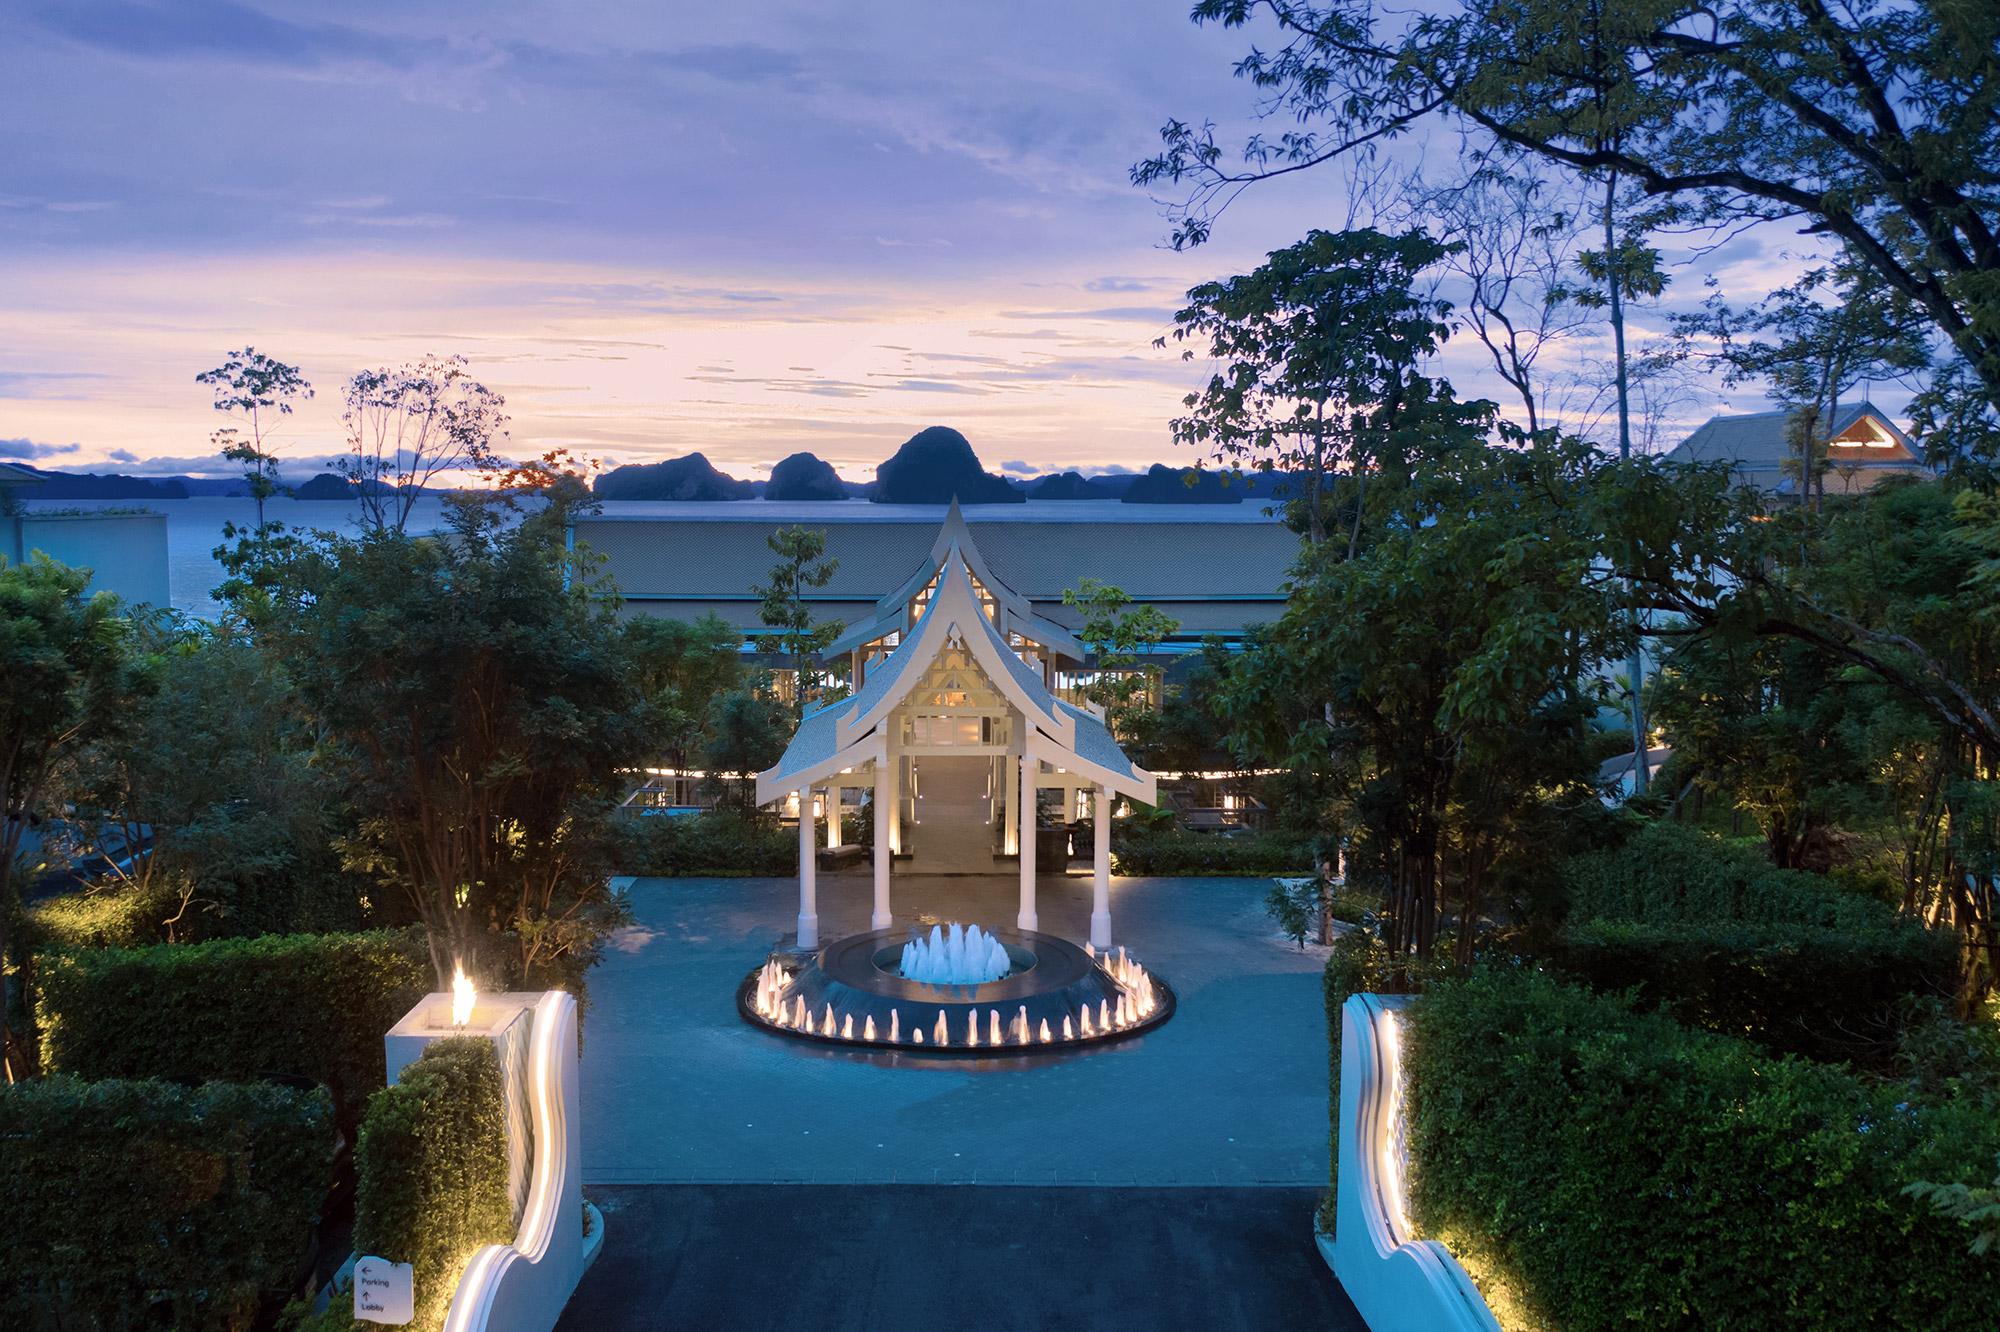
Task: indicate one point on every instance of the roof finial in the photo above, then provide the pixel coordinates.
(954, 523)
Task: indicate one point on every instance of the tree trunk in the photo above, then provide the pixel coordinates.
(1635, 665)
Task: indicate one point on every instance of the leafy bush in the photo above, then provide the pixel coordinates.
(296, 1005)
(1799, 989)
(1177, 851)
(719, 843)
(432, 1168)
(1727, 942)
(145, 1204)
(112, 916)
(1668, 873)
(1612, 1168)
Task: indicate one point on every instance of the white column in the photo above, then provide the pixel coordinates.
(1027, 920)
(832, 816)
(895, 802)
(1100, 872)
(880, 919)
(808, 873)
(1010, 817)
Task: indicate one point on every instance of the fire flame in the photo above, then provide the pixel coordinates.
(462, 995)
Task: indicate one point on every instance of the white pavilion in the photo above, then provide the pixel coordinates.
(955, 671)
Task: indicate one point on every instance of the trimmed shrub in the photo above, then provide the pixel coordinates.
(1179, 852)
(116, 916)
(146, 1204)
(432, 1169)
(1669, 873)
(1612, 1168)
(1799, 989)
(293, 1005)
(717, 843)
(1714, 934)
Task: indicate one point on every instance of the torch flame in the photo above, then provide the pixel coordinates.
(462, 995)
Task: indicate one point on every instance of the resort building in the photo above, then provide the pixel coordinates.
(1216, 569)
(956, 736)
(1864, 447)
(125, 549)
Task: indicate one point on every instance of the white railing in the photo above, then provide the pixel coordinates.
(1398, 1282)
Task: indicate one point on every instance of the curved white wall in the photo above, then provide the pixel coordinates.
(1398, 1282)
(522, 1286)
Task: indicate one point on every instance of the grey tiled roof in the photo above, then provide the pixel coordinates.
(1096, 744)
(724, 556)
(1756, 444)
(813, 742)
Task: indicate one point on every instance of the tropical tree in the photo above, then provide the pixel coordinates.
(1834, 672)
(1625, 269)
(1439, 668)
(681, 667)
(746, 734)
(262, 389)
(1515, 239)
(802, 565)
(1121, 638)
(67, 676)
(1316, 348)
(408, 425)
(1869, 124)
(213, 775)
(473, 694)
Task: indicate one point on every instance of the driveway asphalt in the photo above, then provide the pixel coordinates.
(918, 1258)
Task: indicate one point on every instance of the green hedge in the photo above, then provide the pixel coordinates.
(1799, 989)
(432, 1169)
(713, 844)
(1713, 933)
(1607, 1168)
(1669, 873)
(295, 1005)
(146, 1204)
(1179, 852)
(107, 917)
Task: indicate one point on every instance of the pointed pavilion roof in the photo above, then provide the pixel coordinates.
(1016, 613)
(850, 733)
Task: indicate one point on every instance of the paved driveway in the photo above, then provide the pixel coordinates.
(677, 1088)
(915, 1259)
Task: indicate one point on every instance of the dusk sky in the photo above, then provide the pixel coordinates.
(654, 227)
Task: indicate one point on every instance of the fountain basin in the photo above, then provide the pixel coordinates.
(849, 987)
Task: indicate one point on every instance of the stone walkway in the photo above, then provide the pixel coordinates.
(913, 1259)
(1232, 1091)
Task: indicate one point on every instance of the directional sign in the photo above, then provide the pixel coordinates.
(382, 1291)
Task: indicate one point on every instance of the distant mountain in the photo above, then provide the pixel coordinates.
(804, 477)
(1185, 485)
(213, 487)
(689, 478)
(325, 486)
(92, 485)
(936, 465)
(1072, 486)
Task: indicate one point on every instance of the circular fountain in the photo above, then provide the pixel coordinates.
(955, 991)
